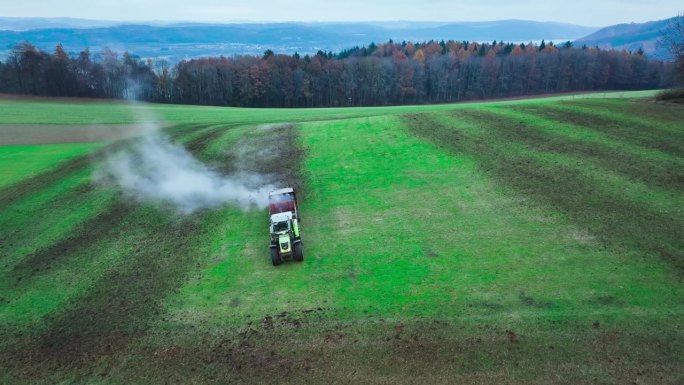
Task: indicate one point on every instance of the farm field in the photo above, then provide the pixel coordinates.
(522, 241)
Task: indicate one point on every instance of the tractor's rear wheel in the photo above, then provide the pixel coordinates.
(275, 258)
(298, 252)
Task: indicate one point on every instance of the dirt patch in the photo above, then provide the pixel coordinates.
(279, 154)
(273, 153)
(491, 306)
(529, 301)
(16, 134)
(606, 300)
(511, 336)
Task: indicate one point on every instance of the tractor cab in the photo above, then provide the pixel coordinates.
(281, 223)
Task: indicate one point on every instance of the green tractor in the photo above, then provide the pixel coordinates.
(286, 241)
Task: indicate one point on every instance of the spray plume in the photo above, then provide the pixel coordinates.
(152, 168)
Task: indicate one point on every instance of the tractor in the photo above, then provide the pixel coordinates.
(286, 241)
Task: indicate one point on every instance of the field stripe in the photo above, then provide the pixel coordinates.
(139, 257)
(197, 144)
(181, 131)
(19, 190)
(668, 116)
(48, 215)
(119, 305)
(612, 218)
(650, 167)
(648, 136)
(104, 225)
(664, 201)
(18, 163)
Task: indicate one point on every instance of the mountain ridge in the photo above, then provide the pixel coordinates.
(184, 40)
(630, 37)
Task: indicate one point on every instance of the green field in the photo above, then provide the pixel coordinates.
(531, 241)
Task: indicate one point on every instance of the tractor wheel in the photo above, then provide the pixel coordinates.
(298, 252)
(275, 258)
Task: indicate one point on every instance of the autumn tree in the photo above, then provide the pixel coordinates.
(381, 74)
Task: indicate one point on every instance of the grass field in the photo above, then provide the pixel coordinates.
(530, 241)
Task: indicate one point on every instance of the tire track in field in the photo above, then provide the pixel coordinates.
(180, 131)
(100, 227)
(21, 189)
(618, 222)
(117, 309)
(648, 136)
(198, 144)
(280, 155)
(16, 232)
(39, 182)
(90, 232)
(104, 225)
(668, 114)
(662, 173)
(121, 305)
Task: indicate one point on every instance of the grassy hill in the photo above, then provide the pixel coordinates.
(531, 241)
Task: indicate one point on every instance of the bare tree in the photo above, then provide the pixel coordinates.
(673, 40)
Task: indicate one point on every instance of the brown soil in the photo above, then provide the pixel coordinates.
(529, 301)
(408, 352)
(16, 134)
(58, 99)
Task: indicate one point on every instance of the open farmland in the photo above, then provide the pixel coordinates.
(529, 241)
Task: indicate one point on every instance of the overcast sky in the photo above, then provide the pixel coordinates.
(583, 12)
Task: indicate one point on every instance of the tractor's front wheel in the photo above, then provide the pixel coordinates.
(298, 252)
(275, 258)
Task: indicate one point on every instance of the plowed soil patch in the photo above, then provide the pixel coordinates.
(14, 134)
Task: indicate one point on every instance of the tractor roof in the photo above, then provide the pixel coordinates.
(286, 190)
(281, 217)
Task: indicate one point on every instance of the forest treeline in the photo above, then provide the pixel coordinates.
(386, 74)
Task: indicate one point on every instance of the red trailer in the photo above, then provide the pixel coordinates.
(283, 200)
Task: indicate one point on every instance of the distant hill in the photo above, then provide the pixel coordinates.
(189, 40)
(630, 37)
(29, 23)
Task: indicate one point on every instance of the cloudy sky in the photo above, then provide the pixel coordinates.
(584, 12)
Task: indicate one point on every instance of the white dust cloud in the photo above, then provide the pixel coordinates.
(152, 168)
